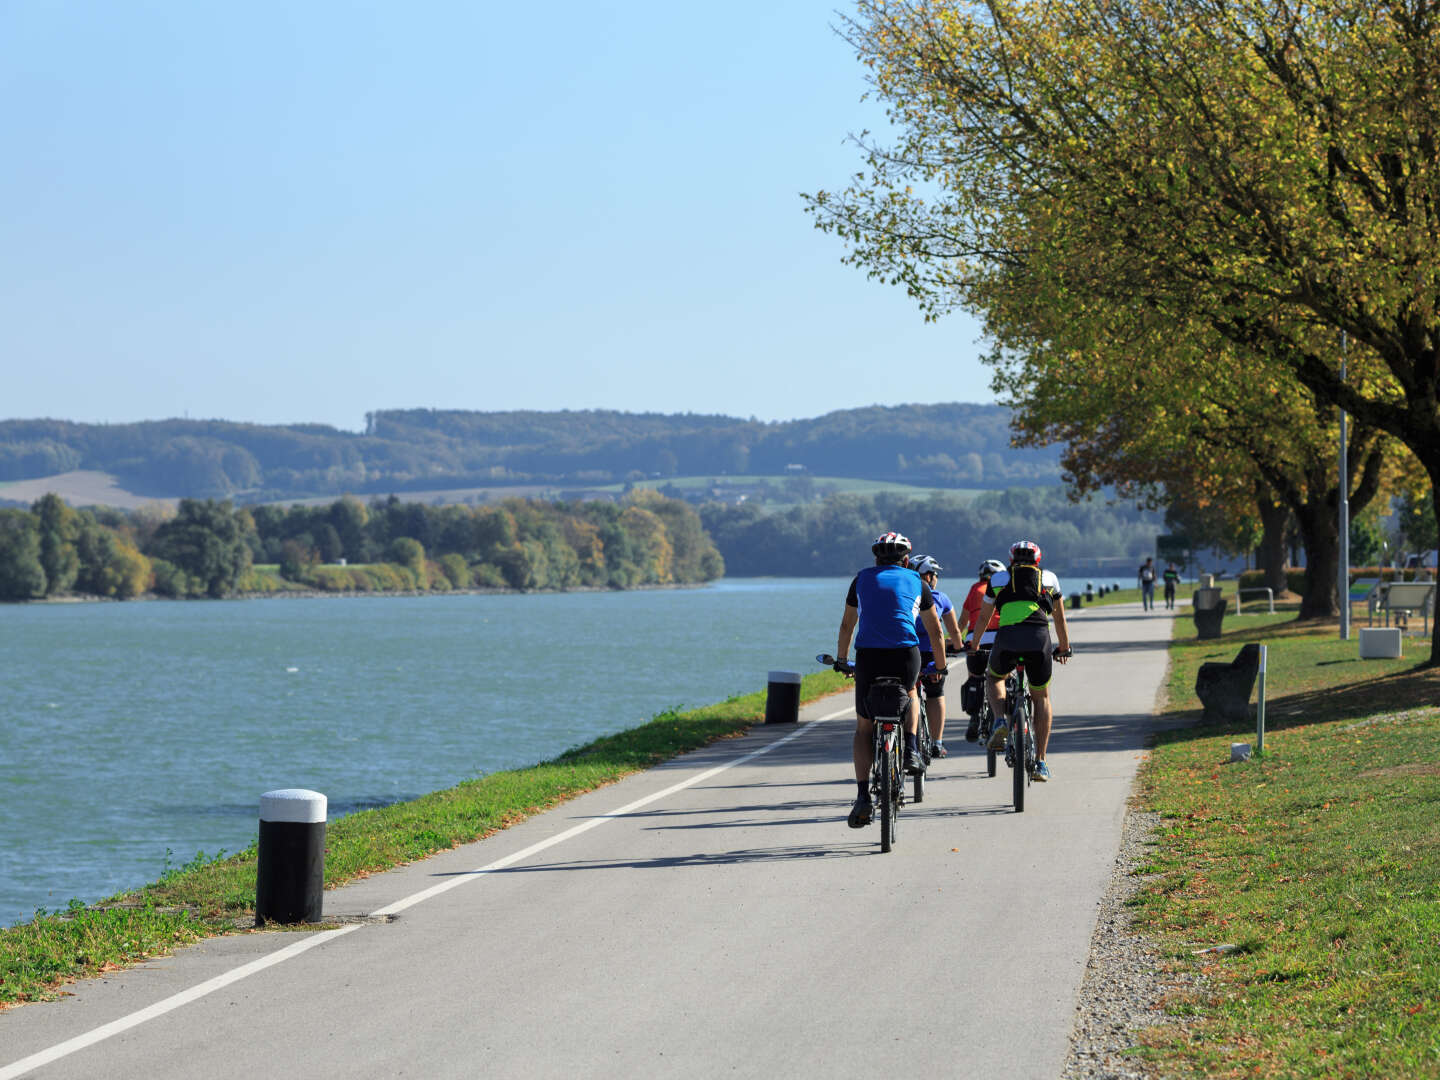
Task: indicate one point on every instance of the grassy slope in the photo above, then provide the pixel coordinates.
(206, 898)
(1319, 863)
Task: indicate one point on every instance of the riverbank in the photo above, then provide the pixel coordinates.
(205, 898)
(1280, 916)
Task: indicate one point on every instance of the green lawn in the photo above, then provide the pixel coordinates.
(1318, 862)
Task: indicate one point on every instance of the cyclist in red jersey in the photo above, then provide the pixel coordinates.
(974, 688)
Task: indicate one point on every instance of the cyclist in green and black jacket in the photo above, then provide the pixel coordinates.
(1026, 598)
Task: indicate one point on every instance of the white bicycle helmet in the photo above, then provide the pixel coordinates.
(991, 566)
(925, 564)
(890, 545)
(1025, 551)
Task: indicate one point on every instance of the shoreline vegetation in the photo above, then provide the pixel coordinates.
(216, 550)
(212, 895)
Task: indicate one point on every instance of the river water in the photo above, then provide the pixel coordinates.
(133, 736)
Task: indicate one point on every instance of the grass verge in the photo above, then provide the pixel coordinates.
(215, 896)
(1316, 866)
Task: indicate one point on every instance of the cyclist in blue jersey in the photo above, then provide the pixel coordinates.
(881, 612)
(934, 689)
(1026, 598)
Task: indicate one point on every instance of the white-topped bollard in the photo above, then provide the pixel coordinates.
(290, 878)
(782, 698)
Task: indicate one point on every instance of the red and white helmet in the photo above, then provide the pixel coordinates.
(1025, 551)
(890, 545)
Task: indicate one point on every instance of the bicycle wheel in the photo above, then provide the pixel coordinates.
(1019, 735)
(922, 742)
(887, 798)
(985, 734)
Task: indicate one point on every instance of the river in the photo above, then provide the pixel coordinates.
(135, 735)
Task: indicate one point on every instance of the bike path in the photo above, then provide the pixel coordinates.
(710, 917)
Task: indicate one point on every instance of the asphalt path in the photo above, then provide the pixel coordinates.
(713, 916)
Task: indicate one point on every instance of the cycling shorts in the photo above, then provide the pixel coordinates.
(977, 660)
(937, 687)
(902, 664)
(1021, 642)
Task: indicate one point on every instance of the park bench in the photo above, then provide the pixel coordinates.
(1224, 689)
(1405, 598)
(1366, 590)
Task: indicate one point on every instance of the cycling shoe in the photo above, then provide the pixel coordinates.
(997, 737)
(859, 814)
(914, 766)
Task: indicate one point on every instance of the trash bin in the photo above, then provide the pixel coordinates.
(1207, 608)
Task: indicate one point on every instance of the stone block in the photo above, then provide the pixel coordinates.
(1380, 643)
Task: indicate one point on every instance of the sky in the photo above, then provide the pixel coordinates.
(283, 213)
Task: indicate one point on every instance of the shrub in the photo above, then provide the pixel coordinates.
(1255, 579)
(455, 571)
(487, 576)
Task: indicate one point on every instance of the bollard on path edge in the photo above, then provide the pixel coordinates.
(290, 876)
(782, 698)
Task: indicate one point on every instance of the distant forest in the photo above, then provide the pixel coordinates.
(950, 445)
(833, 537)
(212, 548)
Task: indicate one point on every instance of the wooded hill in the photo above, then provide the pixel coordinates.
(959, 445)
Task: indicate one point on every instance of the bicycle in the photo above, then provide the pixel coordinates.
(888, 702)
(1020, 740)
(926, 745)
(1020, 750)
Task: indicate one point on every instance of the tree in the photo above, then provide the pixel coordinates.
(1270, 169)
(205, 542)
(1417, 522)
(22, 577)
(59, 526)
(410, 553)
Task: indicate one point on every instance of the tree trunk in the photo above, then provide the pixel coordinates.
(1321, 535)
(1432, 466)
(1270, 556)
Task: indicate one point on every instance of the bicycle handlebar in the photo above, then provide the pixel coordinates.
(847, 668)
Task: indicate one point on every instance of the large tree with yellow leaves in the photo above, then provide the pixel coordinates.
(1264, 170)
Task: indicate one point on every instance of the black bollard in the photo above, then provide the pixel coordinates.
(782, 698)
(1074, 600)
(290, 877)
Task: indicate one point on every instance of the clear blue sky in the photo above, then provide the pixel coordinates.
(282, 212)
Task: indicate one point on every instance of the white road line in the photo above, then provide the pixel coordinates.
(175, 1001)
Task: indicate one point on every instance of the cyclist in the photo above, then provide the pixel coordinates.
(934, 689)
(1025, 598)
(883, 604)
(976, 661)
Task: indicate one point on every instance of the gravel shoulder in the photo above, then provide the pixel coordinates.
(1126, 979)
